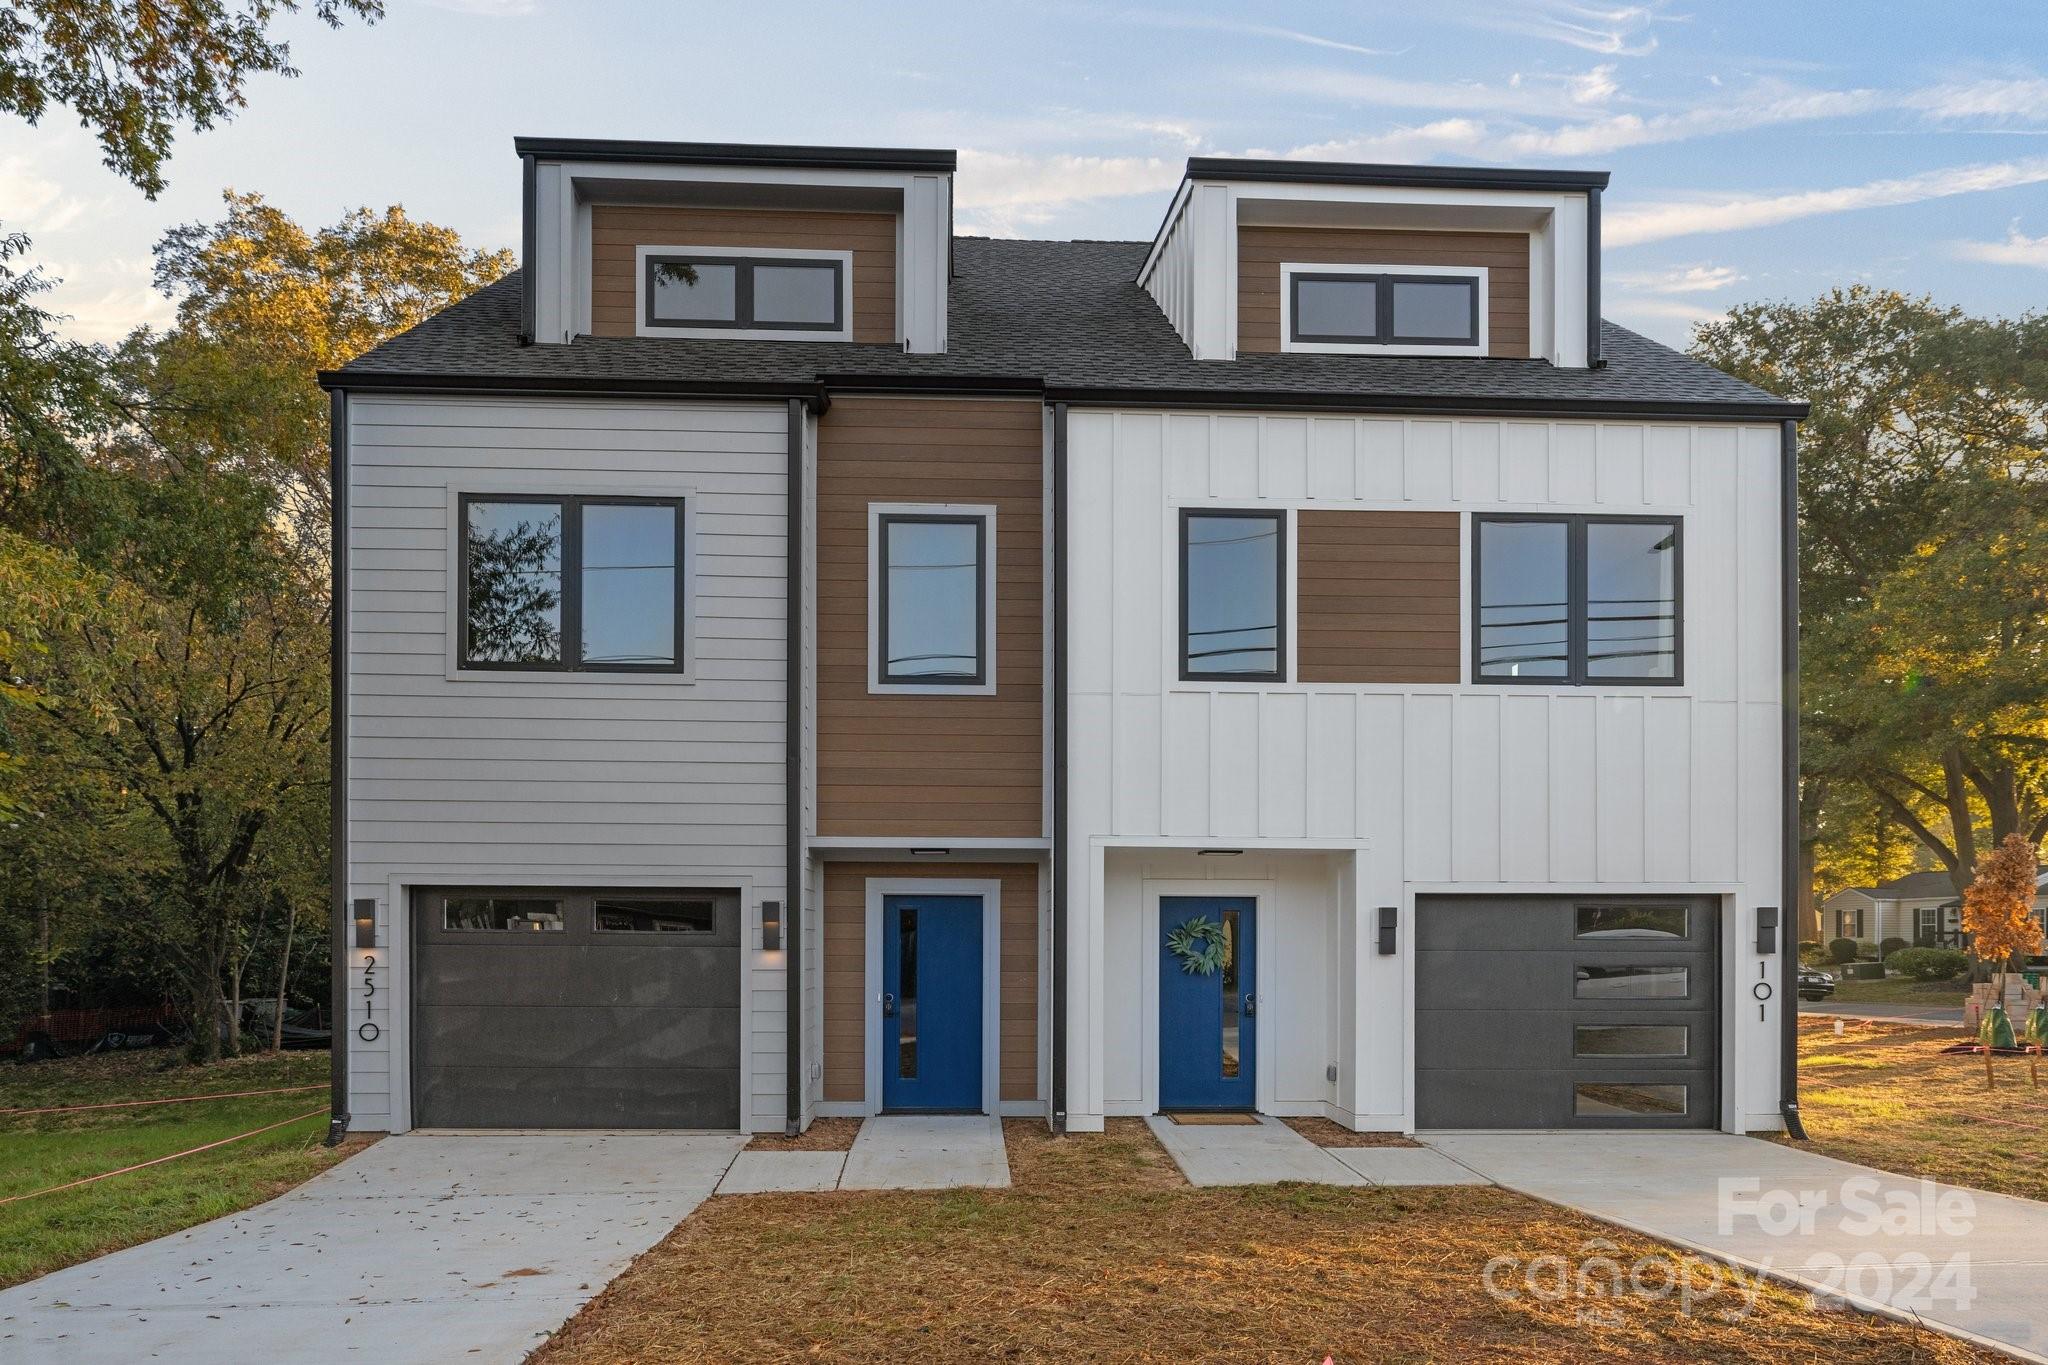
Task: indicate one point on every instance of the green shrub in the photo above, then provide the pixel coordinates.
(1843, 949)
(1890, 946)
(1928, 964)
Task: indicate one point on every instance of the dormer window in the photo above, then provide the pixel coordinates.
(759, 293)
(1399, 310)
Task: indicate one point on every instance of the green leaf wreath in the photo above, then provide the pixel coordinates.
(1201, 945)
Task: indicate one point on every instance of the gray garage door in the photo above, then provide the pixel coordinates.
(576, 1009)
(1566, 1012)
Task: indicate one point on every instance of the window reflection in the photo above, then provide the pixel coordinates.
(1233, 1027)
(515, 582)
(1631, 600)
(1232, 592)
(906, 993)
(932, 612)
(1524, 599)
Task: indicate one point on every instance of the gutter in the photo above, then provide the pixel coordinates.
(1788, 743)
(792, 782)
(1059, 768)
(337, 775)
(1474, 405)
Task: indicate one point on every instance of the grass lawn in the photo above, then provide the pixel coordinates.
(1902, 990)
(1101, 1252)
(1884, 1094)
(38, 1151)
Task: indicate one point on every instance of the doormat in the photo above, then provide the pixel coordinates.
(1215, 1120)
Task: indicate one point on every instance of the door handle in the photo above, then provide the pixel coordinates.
(1251, 1005)
(888, 1004)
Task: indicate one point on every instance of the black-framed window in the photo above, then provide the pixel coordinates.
(590, 584)
(1382, 308)
(1578, 600)
(931, 598)
(1233, 596)
(746, 293)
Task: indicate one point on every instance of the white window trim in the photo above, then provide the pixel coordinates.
(569, 485)
(843, 333)
(987, 514)
(1289, 269)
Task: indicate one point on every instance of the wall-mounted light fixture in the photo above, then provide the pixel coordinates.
(771, 926)
(1767, 929)
(1389, 915)
(929, 852)
(1218, 852)
(366, 923)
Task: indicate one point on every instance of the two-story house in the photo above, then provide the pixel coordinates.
(792, 660)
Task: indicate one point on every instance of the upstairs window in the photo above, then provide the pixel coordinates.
(688, 292)
(1418, 309)
(933, 599)
(1577, 600)
(1233, 596)
(572, 583)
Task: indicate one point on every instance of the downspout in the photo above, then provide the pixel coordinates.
(1059, 767)
(1788, 730)
(529, 247)
(1594, 359)
(793, 781)
(337, 775)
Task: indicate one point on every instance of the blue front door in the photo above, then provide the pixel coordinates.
(931, 1003)
(1206, 1008)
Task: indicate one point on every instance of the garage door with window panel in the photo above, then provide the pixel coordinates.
(576, 1009)
(1567, 1012)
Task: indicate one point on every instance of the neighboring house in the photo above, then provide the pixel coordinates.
(1920, 907)
(795, 661)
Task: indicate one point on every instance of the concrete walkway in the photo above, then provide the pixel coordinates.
(1712, 1192)
(927, 1152)
(1269, 1152)
(425, 1247)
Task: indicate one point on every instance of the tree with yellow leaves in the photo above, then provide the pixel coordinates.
(1998, 913)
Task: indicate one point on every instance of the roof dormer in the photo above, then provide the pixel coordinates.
(1335, 258)
(711, 240)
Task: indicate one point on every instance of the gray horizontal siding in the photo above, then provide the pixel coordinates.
(571, 780)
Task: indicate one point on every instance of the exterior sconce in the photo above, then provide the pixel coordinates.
(771, 926)
(1767, 929)
(1388, 916)
(366, 923)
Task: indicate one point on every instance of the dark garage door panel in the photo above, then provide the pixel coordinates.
(1497, 1013)
(573, 1028)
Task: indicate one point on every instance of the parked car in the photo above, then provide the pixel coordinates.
(1815, 984)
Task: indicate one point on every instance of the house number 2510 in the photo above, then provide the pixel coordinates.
(369, 1031)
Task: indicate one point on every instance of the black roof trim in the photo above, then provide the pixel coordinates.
(605, 386)
(1476, 405)
(738, 154)
(1028, 385)
(1414, 177)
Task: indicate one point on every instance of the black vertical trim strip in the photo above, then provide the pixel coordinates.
(793, 780)
(1788, 730)
(1594, 359)
(337, 775)
(1059, 767)
(529, 247)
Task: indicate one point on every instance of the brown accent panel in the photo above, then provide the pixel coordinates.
(845, 968)
(618, 230)
(930, 765)
(1378, 597)
(1261, 251)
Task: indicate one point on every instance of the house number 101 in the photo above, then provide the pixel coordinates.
(369, 1031)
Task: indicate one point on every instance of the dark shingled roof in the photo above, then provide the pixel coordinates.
(1065, 315)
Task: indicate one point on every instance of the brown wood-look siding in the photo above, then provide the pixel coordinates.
(1378, 597)
(1261, 251)
(845, 987)
(618, 230)
(926, 765)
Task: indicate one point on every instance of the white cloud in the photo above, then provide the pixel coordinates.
(1992, 100)
(1001, 192)
(1657, 222)
(32, 202)
(1528, 96)
(1679, 279)
(106, 300)
(2016, 249)
(1157, 19)
(1611, 30)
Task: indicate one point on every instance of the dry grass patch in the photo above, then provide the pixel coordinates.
(1885, 1095)
(1325, 1133)
(824, 1135)
(1100, 1252)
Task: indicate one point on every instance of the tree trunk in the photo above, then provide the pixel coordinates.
(43, 947)
(1962, 823)
(284, 974)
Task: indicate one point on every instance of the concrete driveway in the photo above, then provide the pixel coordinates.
(1968, 1262)
(425, 1247)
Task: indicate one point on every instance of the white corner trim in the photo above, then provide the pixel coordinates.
(564, 483)
(1289, 269)
(641, 327)
(987, 686)
(991, 894)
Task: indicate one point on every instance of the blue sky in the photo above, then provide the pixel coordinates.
(1759, 150)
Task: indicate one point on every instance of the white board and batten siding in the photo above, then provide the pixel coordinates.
(1433, 786)
(567, 779)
